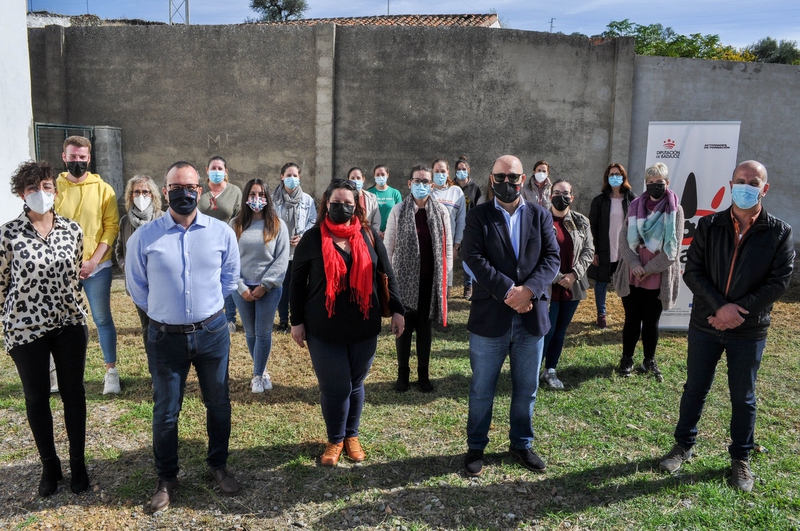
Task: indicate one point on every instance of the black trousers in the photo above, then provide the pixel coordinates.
(417, 320)
(642, 314)
(68, 347)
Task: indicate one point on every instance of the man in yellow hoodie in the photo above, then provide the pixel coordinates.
(87, 199)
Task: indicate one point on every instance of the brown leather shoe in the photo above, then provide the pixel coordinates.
(353, 449)
(227, 483)
(165, 493)
(330, 457)
(602, 321)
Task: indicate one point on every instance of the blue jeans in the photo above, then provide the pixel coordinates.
(600, 290)
(744, 359)
(257, 317)
(169, 357)
(486, 357)
(98, 294)
(230, 309)
(561, 314)
(283, 305)
(341, 371)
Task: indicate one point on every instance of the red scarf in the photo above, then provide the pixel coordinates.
(336, 270)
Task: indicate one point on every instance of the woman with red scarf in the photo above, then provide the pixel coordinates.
(335, 308)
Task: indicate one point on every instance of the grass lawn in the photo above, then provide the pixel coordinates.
(601, 439)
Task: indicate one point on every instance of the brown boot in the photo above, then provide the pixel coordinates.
(353, 449)
(330, 457)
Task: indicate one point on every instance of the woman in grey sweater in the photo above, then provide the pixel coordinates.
(264, 250)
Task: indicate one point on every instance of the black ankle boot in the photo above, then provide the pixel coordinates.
(402, 380)
(80, 478)
(51, 475)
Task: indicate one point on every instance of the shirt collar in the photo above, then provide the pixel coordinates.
(750, 221)
(200, 220)
(519, 205)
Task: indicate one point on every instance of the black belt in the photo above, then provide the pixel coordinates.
(184, 329)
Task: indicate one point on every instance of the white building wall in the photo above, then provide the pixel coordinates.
(16, 112)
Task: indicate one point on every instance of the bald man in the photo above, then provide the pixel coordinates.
(739, 263)
(510, 248)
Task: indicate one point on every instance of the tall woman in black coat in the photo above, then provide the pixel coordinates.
(607, 214)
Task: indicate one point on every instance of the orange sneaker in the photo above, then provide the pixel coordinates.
(330, 457)
(353, 449)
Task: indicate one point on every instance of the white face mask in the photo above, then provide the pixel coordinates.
(540, 177)
(142, 202)
(40, 202)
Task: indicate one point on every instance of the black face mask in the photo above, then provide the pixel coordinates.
(182, 201)
(656, 190)
(506, 192)
(340, 212)
(561, 202)
(77, 168)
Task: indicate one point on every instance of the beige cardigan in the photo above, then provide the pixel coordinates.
(670, 269)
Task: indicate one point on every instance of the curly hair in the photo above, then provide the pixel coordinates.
(31, 174)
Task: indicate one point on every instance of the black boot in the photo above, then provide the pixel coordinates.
(423, 379)
(80, 478)
(402, 379)
(51, 475)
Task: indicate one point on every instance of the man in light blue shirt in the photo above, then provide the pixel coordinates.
(179, 269)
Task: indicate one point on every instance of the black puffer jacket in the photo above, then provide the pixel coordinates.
(762, 268)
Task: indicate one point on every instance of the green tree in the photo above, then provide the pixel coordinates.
(279, 10)
(768, 50)
(655, 39)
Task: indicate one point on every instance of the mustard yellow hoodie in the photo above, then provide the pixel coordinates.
(93, 204)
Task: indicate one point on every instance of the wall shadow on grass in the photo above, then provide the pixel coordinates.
(277, 479)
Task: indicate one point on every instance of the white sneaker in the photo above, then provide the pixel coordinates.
(257, 385)
(232, 327)
(53, 377)
(267, 382)
(550, 378)
(111, 382)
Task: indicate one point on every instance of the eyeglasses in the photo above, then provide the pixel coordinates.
(179, 187)
(513, 178)
(146, 193)
(615, 175)
(426, 182)
(46, 186)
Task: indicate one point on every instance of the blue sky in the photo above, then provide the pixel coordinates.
(737, 22)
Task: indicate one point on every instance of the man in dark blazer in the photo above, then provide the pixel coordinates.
(511, 250)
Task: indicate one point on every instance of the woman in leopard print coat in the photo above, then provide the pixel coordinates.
(43, 315)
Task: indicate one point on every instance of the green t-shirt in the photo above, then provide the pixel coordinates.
(386, 200)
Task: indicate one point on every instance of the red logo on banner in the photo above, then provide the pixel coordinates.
(669, 143)
(690, 207)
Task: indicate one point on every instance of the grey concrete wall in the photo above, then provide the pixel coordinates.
(331, 98)
(408, 95)
(246, 93)
(764, 97)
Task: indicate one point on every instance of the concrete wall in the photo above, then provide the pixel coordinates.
(16, 124)
(764, 97)
(330, 98)
(415, 94)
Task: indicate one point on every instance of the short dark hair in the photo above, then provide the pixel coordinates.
(31, 173)
(337, 184)
(180, 164)
(290, 165)
(419, 167)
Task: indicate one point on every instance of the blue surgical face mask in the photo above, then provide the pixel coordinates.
(462, 175)
(380, 181)
(216, 176)
(745, 196)
(439, 179)
(291, 182)
(615, 180)
(358, 184)
(420, 191)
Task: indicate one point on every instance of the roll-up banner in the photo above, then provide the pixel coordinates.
(701, 157)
